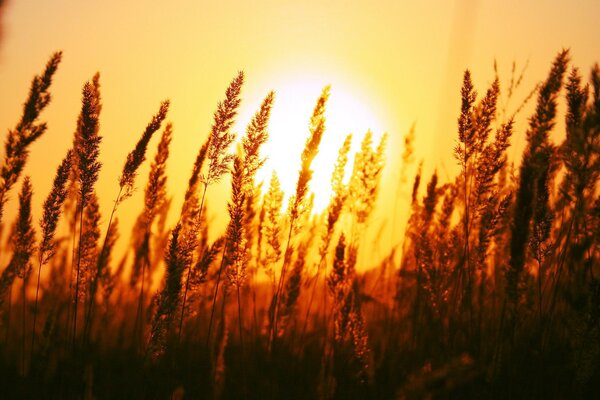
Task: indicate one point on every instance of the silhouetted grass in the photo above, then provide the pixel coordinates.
(491, 290)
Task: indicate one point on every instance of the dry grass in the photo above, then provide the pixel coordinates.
(491, 290)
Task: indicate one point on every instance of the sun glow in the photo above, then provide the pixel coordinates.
(289, 130)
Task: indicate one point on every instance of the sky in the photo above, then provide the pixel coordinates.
(390, 64)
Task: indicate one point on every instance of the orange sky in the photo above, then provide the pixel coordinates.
(401, 61)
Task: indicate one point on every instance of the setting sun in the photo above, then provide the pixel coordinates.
(295, 99)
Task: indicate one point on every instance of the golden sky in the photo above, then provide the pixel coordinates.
(390, 63)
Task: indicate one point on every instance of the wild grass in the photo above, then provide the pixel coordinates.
(490, 291)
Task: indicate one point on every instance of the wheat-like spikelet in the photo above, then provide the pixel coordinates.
(23, 243)
(167, 301)
(540, 125)
(317, 128)
(89, 246)
(52, 210)
(200, 270)
(219, 141)
(366, 174)
(138, 154)
(221, 136)
(271, 228)
(87, 140)
(340, 192)
(234, 257)
(155, 195)
(347, 319)
(27, 131)
(242, 189)
(191, 202)
(109, 279)
(126, 182)
(87, 149)
(298, 204)
(256, 136)
(292, 288)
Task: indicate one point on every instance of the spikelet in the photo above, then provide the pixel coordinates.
(89, 248)
(52, 209)
(272, 225)
(366, 174)
(221, 136)
(200, 270)
(27, 131)
(317, 128)
(292, 288)
(338, 283)
(340, 192)
(540, 125)
(256, 136)
(138, 154)
(235, 259)
(167, 301)
(109, 279)
(298, 206)
(23, 243)
(191, 203)
(466, 133)
(242, 189)
(87, 140)
(155, 196)
(416, 184)
(156, 188)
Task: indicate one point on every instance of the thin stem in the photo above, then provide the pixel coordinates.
(187, 279)
(214, 300)
(138, 329)
(23, 337)
(37, 290)
(241, 342)
(273, 330)
(312, 295)
(94, 285)
(78, 273)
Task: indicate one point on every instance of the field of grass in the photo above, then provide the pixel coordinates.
(493, 293)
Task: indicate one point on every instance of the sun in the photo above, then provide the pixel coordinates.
(295, 99)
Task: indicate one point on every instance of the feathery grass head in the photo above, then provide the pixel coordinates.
(52, 208)
(87, 139)
(272, 226)
(236, 270)
(366, 174)
(340, 192)
(138, 155)
(89, 242)
(168, 299)
(416, 184)
(190, 200)
(27, 130)
(542, 121)
(200, 270)
(465, 123)
(156, 190)
(540, 125)
(317, 128)
(256, 136)
(24, 239)
(23, 243)
(221, 136)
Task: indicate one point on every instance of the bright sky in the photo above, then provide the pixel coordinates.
(390, 63)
